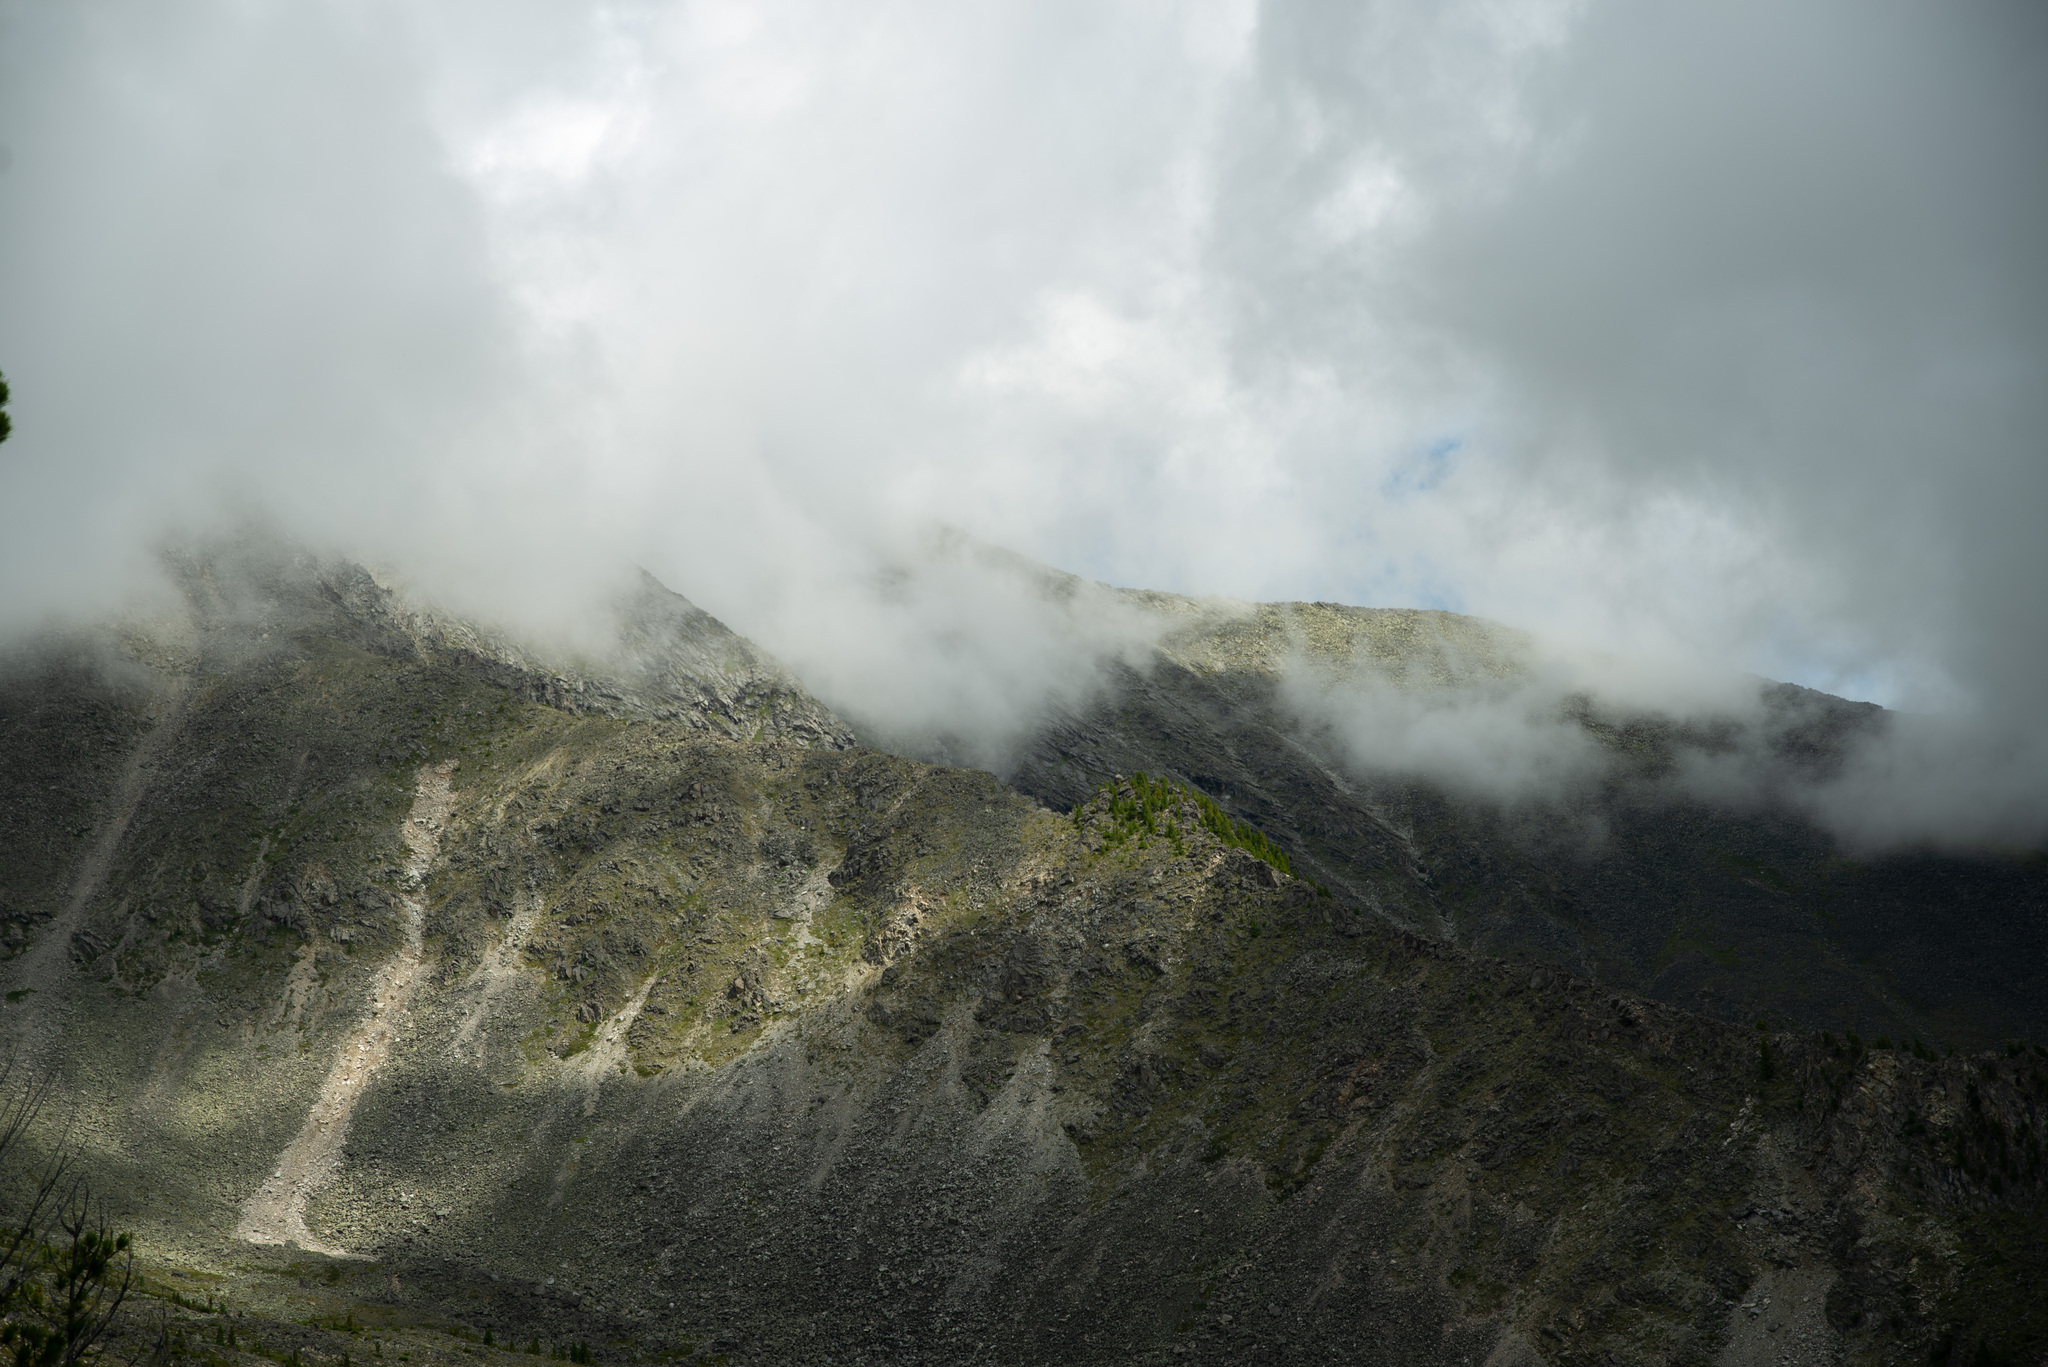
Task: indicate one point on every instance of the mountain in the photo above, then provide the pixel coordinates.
(1727, 898)
(416, 992)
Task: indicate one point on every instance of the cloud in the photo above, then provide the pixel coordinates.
(1511, 721)
(1706, 334)
(958, 650)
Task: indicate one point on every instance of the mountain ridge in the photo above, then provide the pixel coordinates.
(1620, 867)
(733, 1042)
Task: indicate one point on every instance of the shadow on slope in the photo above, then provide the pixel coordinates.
(1644, 865)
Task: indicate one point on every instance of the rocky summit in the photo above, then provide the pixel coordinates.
(417, 994)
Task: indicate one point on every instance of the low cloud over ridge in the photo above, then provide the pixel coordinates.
(1713, 335)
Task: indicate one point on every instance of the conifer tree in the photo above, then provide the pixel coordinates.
(63, 1270)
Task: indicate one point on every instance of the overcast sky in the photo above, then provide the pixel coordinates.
(1714, 330)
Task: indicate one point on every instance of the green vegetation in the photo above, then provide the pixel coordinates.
(1690, 939)
(63, 1271)
(1142, 809)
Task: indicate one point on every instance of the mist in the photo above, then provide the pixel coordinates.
(1709, 338)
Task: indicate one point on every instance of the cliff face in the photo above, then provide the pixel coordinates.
(631, 1004)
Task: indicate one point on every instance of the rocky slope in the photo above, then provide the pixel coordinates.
(651, 1014)
(1734, 908)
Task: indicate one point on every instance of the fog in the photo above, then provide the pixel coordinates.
(1713, 338)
